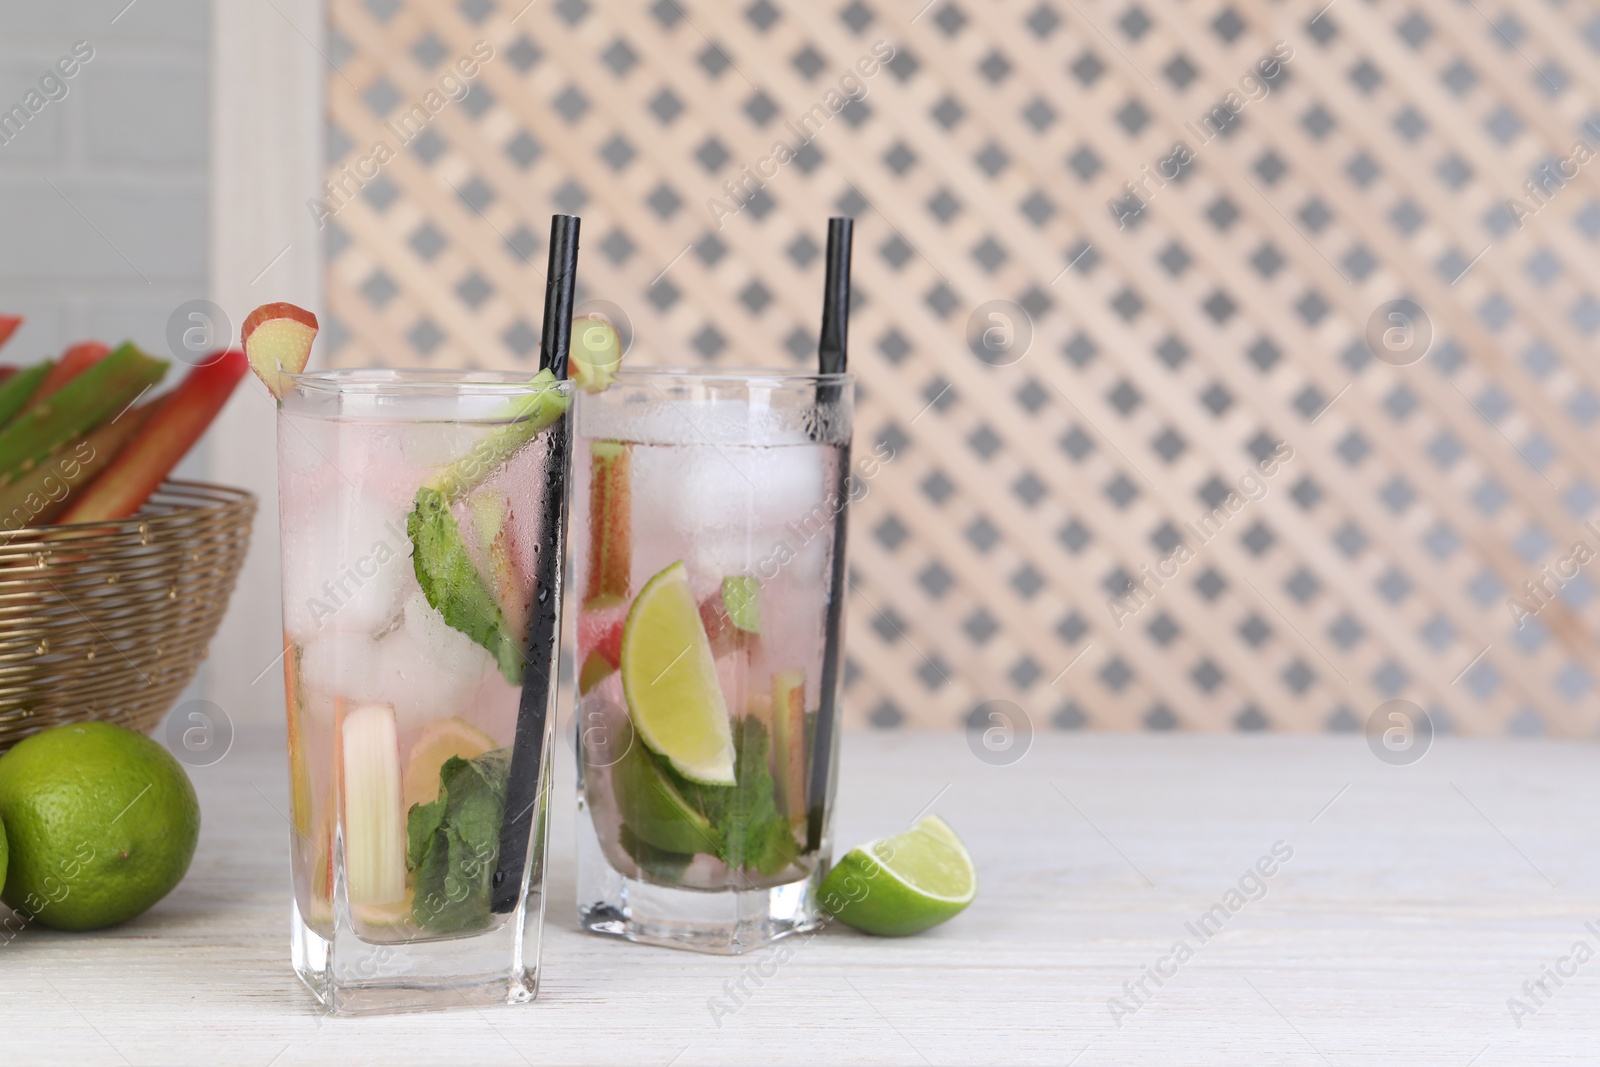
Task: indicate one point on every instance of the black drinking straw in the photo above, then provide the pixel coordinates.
(831, 356)
(527, 751)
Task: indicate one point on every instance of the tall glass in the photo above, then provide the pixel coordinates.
(422, 537)
(708, 523)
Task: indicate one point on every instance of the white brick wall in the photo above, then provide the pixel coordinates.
(123, 242)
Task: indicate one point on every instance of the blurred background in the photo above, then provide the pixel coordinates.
(1236, 359)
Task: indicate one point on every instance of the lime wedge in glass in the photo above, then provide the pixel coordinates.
(741, 596)
(902, 885)
(654, 809)
(670, 680)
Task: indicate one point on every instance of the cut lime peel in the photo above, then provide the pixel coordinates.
(940, 831)
(656, 812)
(682, 613)
(866, 891)
(741, 599)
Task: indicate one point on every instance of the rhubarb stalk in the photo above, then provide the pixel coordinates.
(44, 492)
(91, 398)
(299, 769)
(610, 522)
(19, 388)
(8, 326)
(374, 830)
(526, 416)
(177, 423)
(789, 742)
(74, 361)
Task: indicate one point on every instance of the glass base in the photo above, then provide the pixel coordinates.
(725, 923)
(355, 977)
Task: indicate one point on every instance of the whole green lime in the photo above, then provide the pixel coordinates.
(101, 822)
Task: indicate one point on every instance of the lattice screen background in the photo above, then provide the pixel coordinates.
(1166, 355)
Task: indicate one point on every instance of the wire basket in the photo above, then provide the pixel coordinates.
(109, 620)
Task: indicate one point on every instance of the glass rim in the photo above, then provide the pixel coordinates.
(773, 375)
(415, 381)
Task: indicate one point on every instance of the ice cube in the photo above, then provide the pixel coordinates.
(694, 496)
(374, 457)
(346, 559)
(305, 445)
(443, 643)
(423, 668)
(405, 679)
(340, 663)
(426, 669)
(492, 706)
(788, 484)
(722, 551)
(663, 420)
(811, 553)
(435, 444)
(733, 505)
(684, 488)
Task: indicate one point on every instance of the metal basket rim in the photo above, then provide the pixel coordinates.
(196, 499)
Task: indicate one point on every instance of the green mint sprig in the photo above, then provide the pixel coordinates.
(453, 842)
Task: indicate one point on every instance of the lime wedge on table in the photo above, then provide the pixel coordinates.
(902, 885)
(670, 680)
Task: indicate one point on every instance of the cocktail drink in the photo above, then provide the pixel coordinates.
(421, 534)
(707, 517)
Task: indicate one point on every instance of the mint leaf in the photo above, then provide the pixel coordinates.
(421, 823)
(475, 795)
(452, 584)
(452, 843)
(765, 840)
(745, 814)
(770, 845)
(444, 567)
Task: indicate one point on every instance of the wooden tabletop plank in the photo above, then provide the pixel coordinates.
(1416, 901)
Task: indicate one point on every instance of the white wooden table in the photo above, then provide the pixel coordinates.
(1416, 902)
